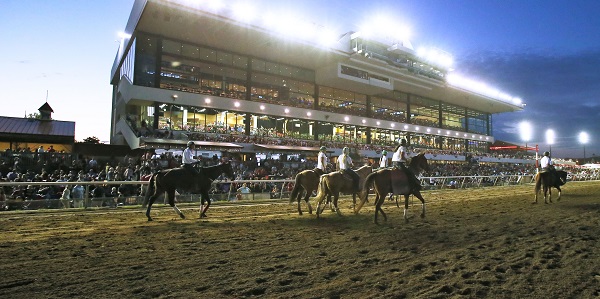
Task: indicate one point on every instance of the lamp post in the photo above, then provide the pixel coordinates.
(550, 138)
(583, 139)
(526, 132)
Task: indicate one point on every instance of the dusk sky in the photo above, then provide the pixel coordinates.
(545, 52)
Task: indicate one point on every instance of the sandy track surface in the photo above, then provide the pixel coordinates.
(476, 243)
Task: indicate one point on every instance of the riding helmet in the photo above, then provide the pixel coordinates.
(190, 143)
(402, 141)
(346, 150)
(323, 148)
(547, 154)
(384, 152)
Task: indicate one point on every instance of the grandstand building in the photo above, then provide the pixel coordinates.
(188, 72)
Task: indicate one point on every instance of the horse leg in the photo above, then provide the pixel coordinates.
(378, 203)
(204, 198)
(307, 200)
(335, 204)
(550, 194)
(171, 195)
(420, 197)
(362, 202)
(559, 193)
(406, 208)
(150, 202)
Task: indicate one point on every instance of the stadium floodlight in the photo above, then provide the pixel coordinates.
(216, 5)
(244, 12)
(123, 35)
(383, 27)
(481, 88)
(584, 138)
(526, 132)
(326, 38)
(550, 138)
(436, 56)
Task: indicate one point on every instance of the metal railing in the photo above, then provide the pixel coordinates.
(227, 190)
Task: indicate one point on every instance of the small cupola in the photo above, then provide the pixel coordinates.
(45, 112)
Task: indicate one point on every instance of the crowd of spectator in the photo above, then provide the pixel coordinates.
(46, 166)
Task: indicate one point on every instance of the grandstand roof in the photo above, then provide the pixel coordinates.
(31, 129)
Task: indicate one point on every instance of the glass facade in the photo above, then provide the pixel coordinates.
(190, 68)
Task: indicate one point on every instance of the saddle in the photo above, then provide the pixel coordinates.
(399, 181)
(345, 175)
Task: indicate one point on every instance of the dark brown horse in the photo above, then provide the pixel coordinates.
(382, 185)
(178, 178)
(547, 180)
(333, 183)
(307, 181)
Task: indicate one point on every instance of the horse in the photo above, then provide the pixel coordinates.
(333, 183)
(180, 178)
(547, 180)
(306, 181)
(382, 185)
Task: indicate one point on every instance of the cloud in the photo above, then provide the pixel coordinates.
(560, 90)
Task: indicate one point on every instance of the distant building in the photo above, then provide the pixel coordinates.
(22, 133)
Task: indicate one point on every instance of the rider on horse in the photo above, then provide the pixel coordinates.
(399, 161)
(345, 164)
(321, 161)
(188, 159)
(547, 165)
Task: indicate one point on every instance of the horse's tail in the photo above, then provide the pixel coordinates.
(321, 193)
(150, 190)
(296, 189)
(367, 184)
(538, 182)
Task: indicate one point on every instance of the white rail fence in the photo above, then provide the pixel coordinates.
(85, 197)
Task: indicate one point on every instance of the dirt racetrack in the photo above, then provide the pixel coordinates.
(475, 243)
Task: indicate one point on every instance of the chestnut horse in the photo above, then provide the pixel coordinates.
(382, 185)
(333, 183)
(547, 181)
(178, 178)
(307, 181)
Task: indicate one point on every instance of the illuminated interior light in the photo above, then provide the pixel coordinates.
(364, 121)
(378, 123)
(308, 113)
(262, 107)
(346, 118)
(236, 104)
(392, 125)
(207, 101)
(286, 110)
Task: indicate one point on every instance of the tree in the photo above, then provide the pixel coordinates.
(34, 115)
(92, 139)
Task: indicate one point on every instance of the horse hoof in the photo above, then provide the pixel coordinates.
(150, 219)
(203, 215)
(182, 216)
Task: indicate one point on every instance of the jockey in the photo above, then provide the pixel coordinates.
(399, 160)
(188, 160)
(383, 161)
(400, 154)
(546, 162)
(548, 166)
(322, 161)
(345, 164)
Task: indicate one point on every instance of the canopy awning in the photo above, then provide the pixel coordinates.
(288, 148)
(208, 145)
